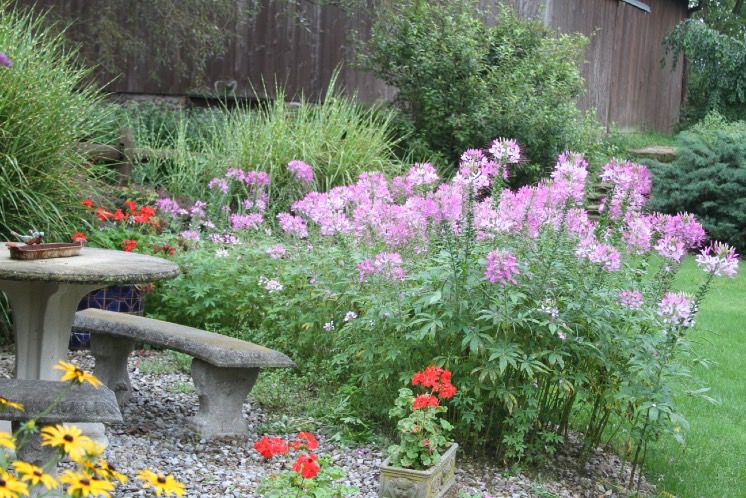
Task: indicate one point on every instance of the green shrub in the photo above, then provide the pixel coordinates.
(46, 107)
(461, 83)
(708, 178)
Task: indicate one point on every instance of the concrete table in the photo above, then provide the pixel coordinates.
(45, 293)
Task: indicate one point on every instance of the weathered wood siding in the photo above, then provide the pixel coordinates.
(625, 83)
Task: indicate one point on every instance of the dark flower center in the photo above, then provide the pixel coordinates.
(68, 438)
(161, 480)
(2, 483)
(85, 481)
(38, 473)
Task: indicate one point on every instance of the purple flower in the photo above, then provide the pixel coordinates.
(301, 170)
(246, 221)
(632, 299)
(501, 267)
(387, 264)
(5, 60)
(293, 224)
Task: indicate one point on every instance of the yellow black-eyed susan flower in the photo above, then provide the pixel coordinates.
(107, 471)
(5, 403)
(7, 441)
(68, 438)
(11, 487)
(34, 475)
(83, 484)
(76, 374)
(89, 455)
(162, 483)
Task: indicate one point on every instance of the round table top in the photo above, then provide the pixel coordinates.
(92, 266)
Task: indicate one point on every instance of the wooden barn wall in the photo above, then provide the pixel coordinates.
(624, 80)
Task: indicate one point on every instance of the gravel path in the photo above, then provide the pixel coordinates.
(155, 436)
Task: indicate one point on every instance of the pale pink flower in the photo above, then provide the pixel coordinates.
(719, 259)
(276, 252)
(501, 267)
(302, 171)
(505, 151)
(676, 309)
(671, 247)
(386, 264)
(246, 221)
(219, 183)
(271, 285)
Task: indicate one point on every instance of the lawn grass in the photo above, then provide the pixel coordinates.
(714, 462)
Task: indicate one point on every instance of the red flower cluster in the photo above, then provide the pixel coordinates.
(306, 466)
(141, 215)
(438, 380)
(79, 236)
(305, 440)
(129, 245)
(269, 447)
(423, 400)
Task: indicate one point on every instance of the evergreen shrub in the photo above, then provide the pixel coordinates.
(708, 178)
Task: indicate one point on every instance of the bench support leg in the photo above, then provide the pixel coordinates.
(222, 392)
(111, 364)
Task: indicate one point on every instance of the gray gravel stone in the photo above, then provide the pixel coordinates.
(155, 435)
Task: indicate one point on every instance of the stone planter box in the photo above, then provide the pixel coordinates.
(397, 482)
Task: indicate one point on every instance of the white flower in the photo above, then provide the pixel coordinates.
(350, 315)
(221, 253)
(271, 285)
(329, 326)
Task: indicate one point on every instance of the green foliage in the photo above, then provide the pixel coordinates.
(461, 83)
(717, 69)
(325, 484)
(715, 457)
(338, 138)
(45, 108)
(708, 178)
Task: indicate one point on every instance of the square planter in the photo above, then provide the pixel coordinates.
(397, 482)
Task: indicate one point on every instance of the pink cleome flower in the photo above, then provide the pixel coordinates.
(501, 267)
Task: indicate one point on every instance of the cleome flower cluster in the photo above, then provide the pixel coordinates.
(92, 475)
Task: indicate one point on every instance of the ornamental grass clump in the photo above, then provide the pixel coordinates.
(91, 475)
(310, 476)
(47, 106)
(422, 433)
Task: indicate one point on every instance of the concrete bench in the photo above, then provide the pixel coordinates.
(83, 403)
(224, 369)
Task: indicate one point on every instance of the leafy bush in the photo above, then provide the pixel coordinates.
(46, 107)
(708, 178)
(545, 318)
(717, 69)
(461, 82)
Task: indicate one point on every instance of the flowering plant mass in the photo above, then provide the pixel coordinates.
(131, 229)
(422, 433)
(310, 476)
(90, 474)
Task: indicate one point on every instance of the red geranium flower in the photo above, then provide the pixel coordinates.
(423, 400)
(87, 203)
(132, 207)
(269, 447)
(129, 245)
(306, 466)
(78, 236)
(103, 214)
(119, 215)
